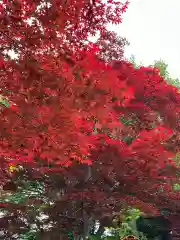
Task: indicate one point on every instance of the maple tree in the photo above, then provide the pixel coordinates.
(82, 124)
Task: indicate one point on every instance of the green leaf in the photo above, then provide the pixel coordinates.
(126, 122)
(30, 235)
(176, 187)
(4, 101)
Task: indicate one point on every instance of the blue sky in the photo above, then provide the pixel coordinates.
(152, 28)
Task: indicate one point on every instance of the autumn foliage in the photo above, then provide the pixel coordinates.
(94, 127)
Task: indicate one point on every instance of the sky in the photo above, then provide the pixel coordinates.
(152, 28)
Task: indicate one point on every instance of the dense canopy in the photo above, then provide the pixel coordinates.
(98, 133)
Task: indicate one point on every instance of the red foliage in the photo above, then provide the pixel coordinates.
(51, 84)
(60, 89)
